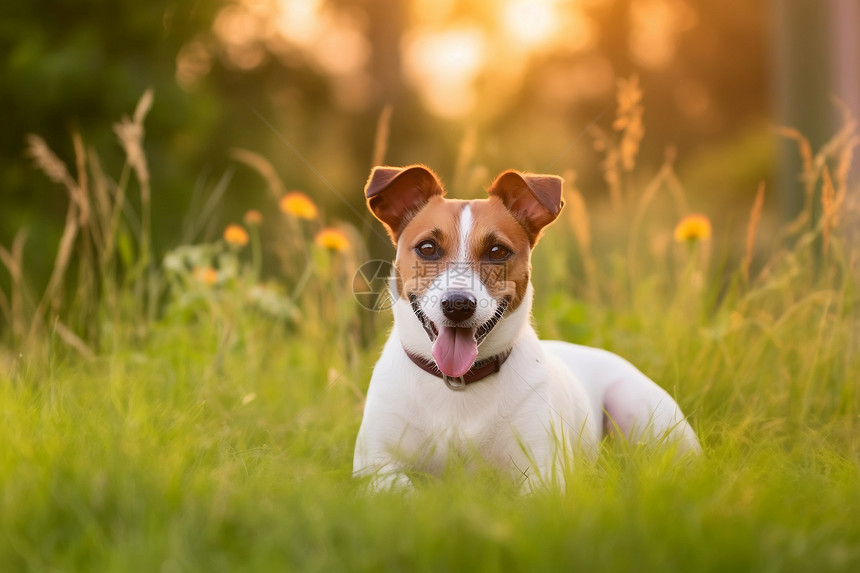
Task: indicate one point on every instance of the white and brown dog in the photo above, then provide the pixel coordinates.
(463, 369)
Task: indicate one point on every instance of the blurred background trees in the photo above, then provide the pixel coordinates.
(473, 88)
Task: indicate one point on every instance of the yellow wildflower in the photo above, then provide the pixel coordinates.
(253, 217)
(693, 228)
(298, 205)
(331, 238)
(206, 275)
(236, 235)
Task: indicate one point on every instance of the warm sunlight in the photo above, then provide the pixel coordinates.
(655, 25)
(298, 20)
(624, 320)
(531, 22)
(444, 66)
(450, 47)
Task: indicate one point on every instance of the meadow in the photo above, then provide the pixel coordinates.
(194, 413)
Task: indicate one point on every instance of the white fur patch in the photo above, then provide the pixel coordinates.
(465, 230)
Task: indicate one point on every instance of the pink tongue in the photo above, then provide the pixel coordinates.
(455, 350)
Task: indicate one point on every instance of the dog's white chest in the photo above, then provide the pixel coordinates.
(524, 413)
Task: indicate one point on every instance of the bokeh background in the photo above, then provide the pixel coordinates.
(472, 88)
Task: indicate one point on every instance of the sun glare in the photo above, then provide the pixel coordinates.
(445, 65)
(532, 22)
(298, 20)
(448, 46)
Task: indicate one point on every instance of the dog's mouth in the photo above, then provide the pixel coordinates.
(429, 325)
(456, 347)
(485, 328)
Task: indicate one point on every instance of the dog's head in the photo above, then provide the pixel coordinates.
(462, 267)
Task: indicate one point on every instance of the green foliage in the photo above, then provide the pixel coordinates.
(220, 446)
(85, 61)
(217, 435)
(69, 64)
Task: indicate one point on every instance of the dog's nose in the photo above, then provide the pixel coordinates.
(458, 306)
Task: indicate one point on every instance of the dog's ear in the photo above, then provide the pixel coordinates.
(534, 200)
(396, 194)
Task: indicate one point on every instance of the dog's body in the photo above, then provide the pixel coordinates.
(463, 369)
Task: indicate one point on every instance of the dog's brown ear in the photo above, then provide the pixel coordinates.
(534, 200)
(396, 194)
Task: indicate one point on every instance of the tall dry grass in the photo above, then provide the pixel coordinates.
(752, 230)
(91, 274)
(226, 422)
(825, 173)
(89, 277)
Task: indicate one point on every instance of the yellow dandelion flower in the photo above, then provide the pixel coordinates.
(206, 275)
(693, 228)
(298, 205)
(236, 235)
(253, 217)
(331, 238)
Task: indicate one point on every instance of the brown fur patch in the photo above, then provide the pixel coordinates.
(509, 278)
(533, 200)
(492, 224)
(438, 220)
(396, 194)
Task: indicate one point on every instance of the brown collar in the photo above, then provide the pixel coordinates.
(479, 370)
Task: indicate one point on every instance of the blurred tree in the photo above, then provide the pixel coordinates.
(817, 53)
(703, 65)
(319, 72)
(802, 87)
(82, 64)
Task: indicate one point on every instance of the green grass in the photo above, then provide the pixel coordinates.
(218, 436)
(222, 446)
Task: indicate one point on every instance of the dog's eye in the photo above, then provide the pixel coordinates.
(499, 253)
(428, 250)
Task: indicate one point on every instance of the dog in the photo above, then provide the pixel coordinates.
(463, 370)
